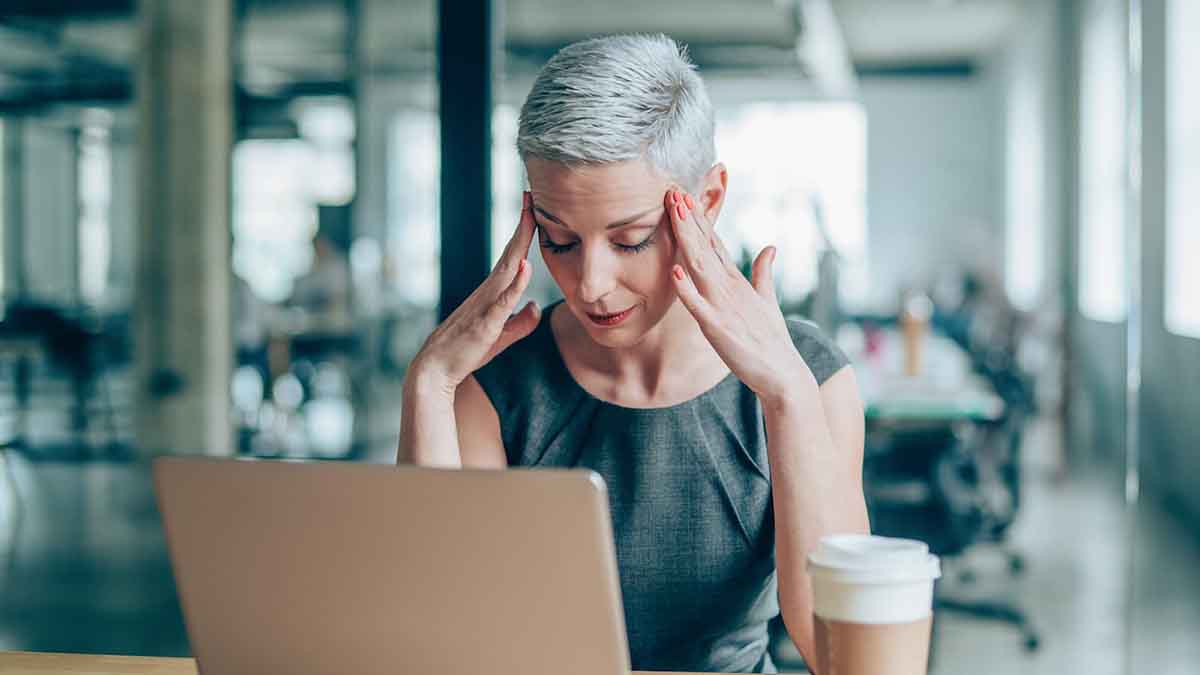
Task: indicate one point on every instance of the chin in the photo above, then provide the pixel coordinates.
(614, 339)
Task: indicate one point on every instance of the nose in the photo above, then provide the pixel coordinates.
(596, 275)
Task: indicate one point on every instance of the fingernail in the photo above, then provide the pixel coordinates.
(525, 199)
(677, 272)
(679, 209)
(687, 199)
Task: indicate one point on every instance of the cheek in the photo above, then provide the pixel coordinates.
(560, 268)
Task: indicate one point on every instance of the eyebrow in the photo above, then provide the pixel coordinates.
(610, 226)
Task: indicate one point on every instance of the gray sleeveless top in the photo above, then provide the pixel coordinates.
(690, 497)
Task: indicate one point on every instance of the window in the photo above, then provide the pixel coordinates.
(508, 178)
(1102, 202)
(274, 216)
(95, 198)
(1182, 288)
(277, 186)
(798, 181)
(1024, 254)
(414, 230)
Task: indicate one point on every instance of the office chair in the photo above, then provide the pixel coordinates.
(948, 485)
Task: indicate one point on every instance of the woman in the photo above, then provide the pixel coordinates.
(729, 437)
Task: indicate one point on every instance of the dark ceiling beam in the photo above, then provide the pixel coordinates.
(67, 9)
(953, 68)
(35, 99)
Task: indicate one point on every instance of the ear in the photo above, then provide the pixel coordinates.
(712, 191)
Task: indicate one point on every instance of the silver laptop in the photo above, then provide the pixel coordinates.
(288, 567)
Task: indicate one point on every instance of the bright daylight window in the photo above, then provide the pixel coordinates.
(1025, 254)
(1101, 167)
(1182, 310)
(95, 198)
(798, 181)
(414, 231)
(277, 185)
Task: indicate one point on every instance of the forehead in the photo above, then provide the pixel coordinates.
(557, 187)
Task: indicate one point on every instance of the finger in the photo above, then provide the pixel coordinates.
(693, 243)
(762, 273)
(706, 232)
(690, 295)
(518, 245)
(502, 307)
(718, 246)
(522, 237)
(526, 226)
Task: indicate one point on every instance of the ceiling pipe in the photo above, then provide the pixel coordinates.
(821, 48)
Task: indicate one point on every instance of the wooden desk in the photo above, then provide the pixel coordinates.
(30, 663)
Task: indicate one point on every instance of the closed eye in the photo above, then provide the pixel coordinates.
(632, 249)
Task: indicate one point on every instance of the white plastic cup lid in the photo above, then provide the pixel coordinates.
(864, 558)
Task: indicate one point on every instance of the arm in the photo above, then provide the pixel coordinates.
(439, 388)
(439, 432)
(815, 446)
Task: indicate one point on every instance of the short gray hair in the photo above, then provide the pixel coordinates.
(619, 98)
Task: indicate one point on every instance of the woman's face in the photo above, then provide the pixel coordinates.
(606, 238)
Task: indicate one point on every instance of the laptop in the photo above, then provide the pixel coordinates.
(323, 567)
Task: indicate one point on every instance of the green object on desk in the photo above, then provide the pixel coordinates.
(917, 410)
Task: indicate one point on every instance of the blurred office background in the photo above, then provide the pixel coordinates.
(229, 225)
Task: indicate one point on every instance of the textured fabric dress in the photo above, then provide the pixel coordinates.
(690, 497)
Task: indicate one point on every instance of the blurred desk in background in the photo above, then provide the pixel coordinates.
(946, 392)
(905, 400)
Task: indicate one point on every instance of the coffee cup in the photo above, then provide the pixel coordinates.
(872, 605)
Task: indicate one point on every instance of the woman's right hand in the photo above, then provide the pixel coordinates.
(483, 325)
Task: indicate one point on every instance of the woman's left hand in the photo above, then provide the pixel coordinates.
(740, 318)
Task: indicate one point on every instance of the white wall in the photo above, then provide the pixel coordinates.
(934, 170)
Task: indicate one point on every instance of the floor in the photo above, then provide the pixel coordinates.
(83, 568)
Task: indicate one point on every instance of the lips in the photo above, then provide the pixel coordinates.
(610, 319)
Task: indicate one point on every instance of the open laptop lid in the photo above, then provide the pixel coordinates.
(354, 568)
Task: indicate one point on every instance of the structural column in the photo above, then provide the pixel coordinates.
(468, 37)
(182, 300)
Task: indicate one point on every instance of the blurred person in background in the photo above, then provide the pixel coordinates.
(323, 293)
(730, 438)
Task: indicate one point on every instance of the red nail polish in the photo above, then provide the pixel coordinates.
(687, 199)
(680, 211)
(678, 272)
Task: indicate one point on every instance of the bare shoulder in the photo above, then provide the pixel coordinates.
(479, 440)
